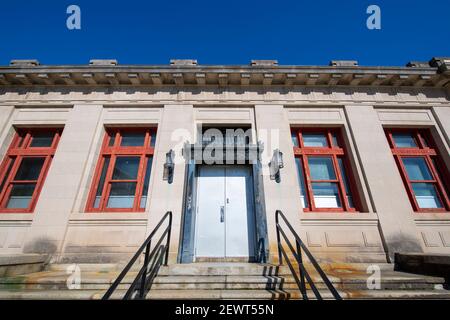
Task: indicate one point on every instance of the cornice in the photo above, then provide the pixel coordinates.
(265, 73)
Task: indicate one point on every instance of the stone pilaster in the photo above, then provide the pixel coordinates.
(442, 116)
(273, 129)
(176, 127)
(384, 182)
(56, 201)
(5, 115)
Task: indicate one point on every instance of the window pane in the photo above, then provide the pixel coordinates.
(438, 169)
(29, 169)
(42, 139)
(21, 140)
(146, 183)
(326, 195)
(404, 140)
(133, 139)
(301, 180)
(294, 137)
(424, 140)
(315, 140)
(7, 172)
(122, 195)
(20, 196)
(101, 183)
(346, 184)
(335, 139)
(426, 195)
(321, 168)
(152, 140)
(126, 168)
(112, 139)
(417, 169)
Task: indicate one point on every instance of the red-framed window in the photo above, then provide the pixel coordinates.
(23, 170)
(424, 173)
(122, 176)
(323, 169)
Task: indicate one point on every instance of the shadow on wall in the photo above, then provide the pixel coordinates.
(400, 243)
(41, 245)
(261, 253)
(427, 92)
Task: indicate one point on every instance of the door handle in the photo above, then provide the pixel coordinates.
(222, 213)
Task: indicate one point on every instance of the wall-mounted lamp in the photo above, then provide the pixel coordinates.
(275, 165)
(169, 167)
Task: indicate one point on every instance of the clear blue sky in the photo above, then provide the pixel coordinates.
(311, 32)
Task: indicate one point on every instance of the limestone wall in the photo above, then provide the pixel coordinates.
(60, 226)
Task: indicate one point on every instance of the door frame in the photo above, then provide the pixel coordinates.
(192, 154)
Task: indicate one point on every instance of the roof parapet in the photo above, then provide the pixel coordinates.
(264, 63)
(341, 73)
(442, 63)
(343, 63)
(183, 62)
(24, 63)
(103, 62)
(418, 64)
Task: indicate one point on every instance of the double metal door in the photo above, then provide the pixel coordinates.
(225, 224)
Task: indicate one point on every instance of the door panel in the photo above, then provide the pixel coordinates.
(239, 217)
(210, 240)
(225, 226)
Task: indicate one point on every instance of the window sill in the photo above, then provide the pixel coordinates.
(424, 216)
(14, 216)
(93, 216)
(338, 216)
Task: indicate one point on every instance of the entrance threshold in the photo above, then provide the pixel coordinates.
(226, 259)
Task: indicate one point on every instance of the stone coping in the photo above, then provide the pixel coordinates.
(18, 259)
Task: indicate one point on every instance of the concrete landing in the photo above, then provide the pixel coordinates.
(12, 265)
(426, 264)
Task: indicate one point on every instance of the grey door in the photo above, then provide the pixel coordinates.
(225, 224)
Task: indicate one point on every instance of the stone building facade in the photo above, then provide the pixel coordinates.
(85, 151)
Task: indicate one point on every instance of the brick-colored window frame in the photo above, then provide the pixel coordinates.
(112, 150)
(334, 149)
(425, 149)
(22, 148)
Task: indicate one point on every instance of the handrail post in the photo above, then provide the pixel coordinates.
(300, 269)
(300, 247)
(166, 259)
(144, 275)
(277, 222)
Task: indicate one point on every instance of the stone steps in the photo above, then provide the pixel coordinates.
(199, 269)
(295, 294)
(86, 267)
(100, 282)
(224, 294)
(221, 281)
(17, 264)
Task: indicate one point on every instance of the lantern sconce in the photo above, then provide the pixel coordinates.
(275, 165)
(169, 167)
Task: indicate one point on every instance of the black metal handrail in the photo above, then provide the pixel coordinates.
(152, 262)
(297, 253)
